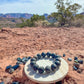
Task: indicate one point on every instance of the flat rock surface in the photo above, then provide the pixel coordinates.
(52, 77)
(21, 42)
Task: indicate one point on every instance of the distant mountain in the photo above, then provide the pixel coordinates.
(19, 15)
(1, 15)
(16, 15)
(82, 13)
(46, 15)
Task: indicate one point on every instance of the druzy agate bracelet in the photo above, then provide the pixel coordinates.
(48, 69)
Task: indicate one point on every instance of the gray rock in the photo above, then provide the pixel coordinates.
(69, 59)
(77, 65)
(11, 70)
(64, 55)
(2, 83)
(76, 61)
(75, 58)
(80, 61)
(79, 70)
(15, 83)
(75, 68)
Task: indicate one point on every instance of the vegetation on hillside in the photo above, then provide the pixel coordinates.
(66, 16)
(31, 22)
(9, 22)
(66, 12)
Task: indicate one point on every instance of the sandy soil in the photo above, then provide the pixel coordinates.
(23, 42)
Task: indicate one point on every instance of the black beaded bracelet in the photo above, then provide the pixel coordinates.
(47, 69)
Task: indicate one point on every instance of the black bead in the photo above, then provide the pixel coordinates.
(48, 54)
(36, 57)
(57, 56)
(32, 63)
(75, 58)
(48, 69)
(39, 56)
(58, 60)
(33, 59)
(80, 61)
(57, 63)
(43, 54)
(64, 55)
(35, 67)
(53, 67)
(41, 70)
(53, 55)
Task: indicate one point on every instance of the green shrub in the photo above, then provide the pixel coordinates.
(20, 25)
(0, 28)
(66, 25)
(45, 23)
(32, 22)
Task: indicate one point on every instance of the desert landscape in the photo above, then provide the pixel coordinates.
(40, 29)
(24, 42)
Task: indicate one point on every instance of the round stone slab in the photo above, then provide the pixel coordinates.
(46, 78)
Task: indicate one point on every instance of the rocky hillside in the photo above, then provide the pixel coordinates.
(16, 15)
(19, 15)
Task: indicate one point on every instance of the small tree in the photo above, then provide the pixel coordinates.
(65, 11)
(37, 17)
(31, 22)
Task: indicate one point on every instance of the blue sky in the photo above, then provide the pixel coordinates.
(31, 6)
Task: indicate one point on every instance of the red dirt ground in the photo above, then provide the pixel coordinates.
(21, 42)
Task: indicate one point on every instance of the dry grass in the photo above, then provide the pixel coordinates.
(78, 22)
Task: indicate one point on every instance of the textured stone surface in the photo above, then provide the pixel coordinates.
(55, 76)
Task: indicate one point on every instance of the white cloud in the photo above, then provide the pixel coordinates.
(35, 7)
